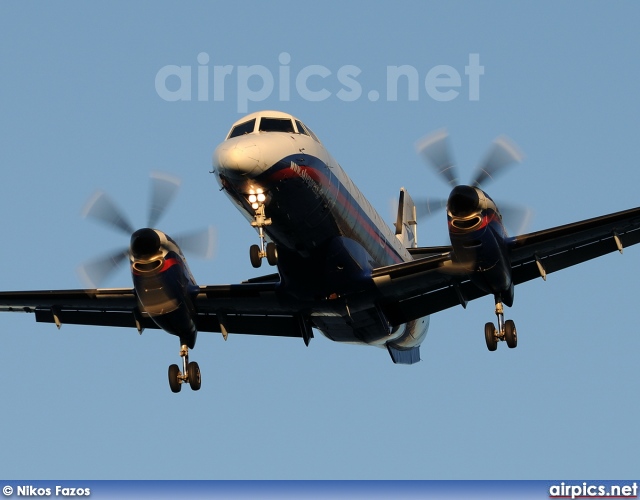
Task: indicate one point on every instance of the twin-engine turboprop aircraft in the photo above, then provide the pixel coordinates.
(338, 267)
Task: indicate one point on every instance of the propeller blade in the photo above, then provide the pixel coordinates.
(503, 153)
(434, 149)
(515, 218)
(429, 207)
(102, 208)
(96, 271)
(200, 243)
(164, 188)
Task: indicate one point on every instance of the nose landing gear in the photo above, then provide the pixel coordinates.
(506, 330)
(190, 373)
(268, 250)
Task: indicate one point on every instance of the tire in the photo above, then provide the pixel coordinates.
(489, 336)
(174, 382)
(272, 254)
(194, 375)
(510, 333)
(254, 254)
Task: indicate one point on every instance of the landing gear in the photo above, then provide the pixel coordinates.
(254, 255)
(190, 373)
(174, 378)
(510, 334)
(506, 330)
(268, 250)
(489, 336)
(272, 254)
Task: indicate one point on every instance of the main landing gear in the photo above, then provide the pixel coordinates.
(190, 372)
(506, 330)
(268, 250)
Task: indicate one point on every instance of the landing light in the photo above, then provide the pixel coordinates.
(256, 198)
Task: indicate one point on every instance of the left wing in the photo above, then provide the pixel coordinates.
(427, 285)
(251, 308)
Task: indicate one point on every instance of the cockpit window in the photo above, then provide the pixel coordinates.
(312, 134)
(276, 125)
(300, 127)
(244, 128)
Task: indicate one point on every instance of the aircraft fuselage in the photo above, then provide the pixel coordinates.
(328, 236)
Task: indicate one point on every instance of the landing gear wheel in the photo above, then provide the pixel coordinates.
(490, 336)
(272, 254)
(254, 253)
(510, 334)
(194, 375)
(174, 381)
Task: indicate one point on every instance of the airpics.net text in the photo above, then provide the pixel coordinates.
(313, 83)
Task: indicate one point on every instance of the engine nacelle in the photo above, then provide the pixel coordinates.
(163, 283)
(478, 240)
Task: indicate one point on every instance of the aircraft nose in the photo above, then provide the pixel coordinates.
(238, 158)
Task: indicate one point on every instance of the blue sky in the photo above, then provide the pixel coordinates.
(81, 111)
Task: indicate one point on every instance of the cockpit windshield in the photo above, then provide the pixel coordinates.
(315, 138)
(276, 125)
(288, 125)
(244, 128)
(300, 127)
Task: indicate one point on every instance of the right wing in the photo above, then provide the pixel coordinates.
(411, 290)
(536, 254)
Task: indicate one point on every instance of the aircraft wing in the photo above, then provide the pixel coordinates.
(543, 252)
(249, 308)
(427, 285)
(407, 291)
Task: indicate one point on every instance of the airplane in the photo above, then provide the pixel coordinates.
(338, 267)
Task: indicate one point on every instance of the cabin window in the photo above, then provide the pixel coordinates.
(276, 125)
(244, 128)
